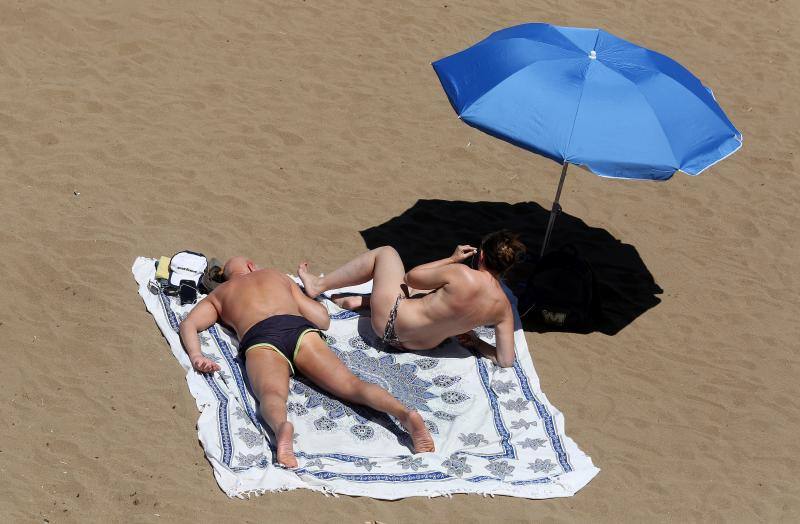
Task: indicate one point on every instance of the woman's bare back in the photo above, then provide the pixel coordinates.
(472, 299)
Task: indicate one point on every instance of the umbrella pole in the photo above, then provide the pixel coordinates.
(555, 210)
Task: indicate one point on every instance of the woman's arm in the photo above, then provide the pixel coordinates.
(504, 353)
(434, 275)
(504, 338)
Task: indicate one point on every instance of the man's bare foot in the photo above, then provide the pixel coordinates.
(310, 282)
(420, 436)
(285, 453)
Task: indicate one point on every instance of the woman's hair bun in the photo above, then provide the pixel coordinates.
(501, 250)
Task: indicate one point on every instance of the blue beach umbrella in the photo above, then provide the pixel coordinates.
(586, 97)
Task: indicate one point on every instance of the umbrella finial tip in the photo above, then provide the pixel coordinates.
(592, 55)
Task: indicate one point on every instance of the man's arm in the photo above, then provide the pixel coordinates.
(436, 274)
(200, 318)
(312, 310)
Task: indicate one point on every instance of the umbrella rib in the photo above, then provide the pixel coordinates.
(501, 39)
(679, 162)
(575, 117)
(703, 89)
(653, 112)
(719, 115)
(506, 78)
(580, 98)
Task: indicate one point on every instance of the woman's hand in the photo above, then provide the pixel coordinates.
(463, 253)
(468, 340)
(471, 341)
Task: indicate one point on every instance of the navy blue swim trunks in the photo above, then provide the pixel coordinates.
(280, 333)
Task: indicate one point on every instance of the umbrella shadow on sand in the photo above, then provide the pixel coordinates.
(431, 229)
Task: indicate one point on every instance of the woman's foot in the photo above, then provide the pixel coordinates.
(420, 436)
(285, 453)
(311, 283)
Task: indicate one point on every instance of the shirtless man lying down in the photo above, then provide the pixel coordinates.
(279, 334)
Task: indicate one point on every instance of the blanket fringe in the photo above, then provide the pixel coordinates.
(257, 492)
(329, 492)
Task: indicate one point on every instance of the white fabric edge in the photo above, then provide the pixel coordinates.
(740, 138)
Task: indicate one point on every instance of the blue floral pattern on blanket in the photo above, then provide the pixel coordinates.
(402, 380)
(488, 423)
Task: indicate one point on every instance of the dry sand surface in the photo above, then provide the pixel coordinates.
(283, 129)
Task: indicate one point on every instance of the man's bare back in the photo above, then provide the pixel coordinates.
(251, 298)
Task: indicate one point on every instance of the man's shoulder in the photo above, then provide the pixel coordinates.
(271, 281)
(269, 273)
(219, 293)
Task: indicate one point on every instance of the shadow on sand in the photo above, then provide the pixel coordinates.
(432, 228)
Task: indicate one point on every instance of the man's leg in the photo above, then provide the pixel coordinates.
(382, 264)
(317, 362)
(269, 378)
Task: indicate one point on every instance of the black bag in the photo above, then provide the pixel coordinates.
(561, 291)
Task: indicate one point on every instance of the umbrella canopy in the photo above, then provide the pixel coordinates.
(586, 97)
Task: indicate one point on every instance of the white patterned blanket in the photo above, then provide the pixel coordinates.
(495, 431)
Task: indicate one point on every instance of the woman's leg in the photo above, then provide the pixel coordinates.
(383, 265)
(268, 373)
(351, 302)
(317, 362)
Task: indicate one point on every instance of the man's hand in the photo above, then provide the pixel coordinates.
(203, 364)
(462, 253)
